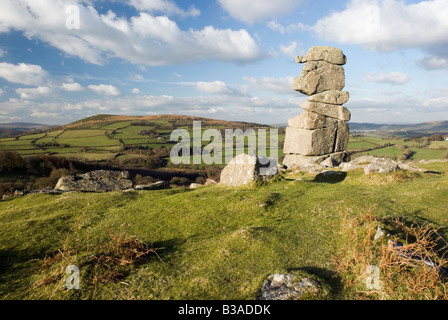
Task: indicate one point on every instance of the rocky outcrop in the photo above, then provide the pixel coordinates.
(320, 133)
(288, 287)
(152, 186)
(244, 169)
(96, 181)
(371, 164)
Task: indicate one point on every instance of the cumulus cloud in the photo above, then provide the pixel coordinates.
(433, 62)
(135, 91)
(164, 6)
(143, 39)
(1, 92)
(256, 11)
(33, 93)
(293, 49)
(270, 84)
(104, 89)
(388, 77)
(387, 25)
(275, 26)
(220, 87)
(22, 73)
(72, 86)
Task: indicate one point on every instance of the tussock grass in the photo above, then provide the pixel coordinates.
(402, 271)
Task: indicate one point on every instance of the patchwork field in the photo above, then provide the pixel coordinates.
(114, 137)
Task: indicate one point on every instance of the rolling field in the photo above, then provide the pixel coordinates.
(102, 138)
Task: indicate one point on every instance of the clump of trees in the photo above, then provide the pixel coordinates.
(407, 153)
(35, 172)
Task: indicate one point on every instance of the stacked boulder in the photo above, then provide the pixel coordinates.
(319, 136)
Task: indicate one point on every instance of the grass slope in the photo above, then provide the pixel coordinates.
(215, 242)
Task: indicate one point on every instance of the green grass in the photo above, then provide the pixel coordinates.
(74, 134)
(385, 152)
(117, 125)
(428, 154)
(219, 243)
(94, 141)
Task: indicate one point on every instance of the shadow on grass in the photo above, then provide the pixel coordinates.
(330, 177)
(16, 268)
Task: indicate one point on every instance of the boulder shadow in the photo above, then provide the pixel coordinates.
(330, 177)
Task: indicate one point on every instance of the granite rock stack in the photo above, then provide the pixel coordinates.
(319, 135)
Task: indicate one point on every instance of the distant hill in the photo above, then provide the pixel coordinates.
(398, 130)
(17, 128)
(22, 125)
(175, 120)
(402, 130)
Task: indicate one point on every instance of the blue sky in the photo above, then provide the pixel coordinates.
(62, 60)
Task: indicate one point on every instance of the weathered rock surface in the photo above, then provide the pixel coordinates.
(152, 186)
(329, 110)
(96, 181)
(311, 120)
(342, 137)
(315, 163)
(310, 142)
(245, 168)
(288, 287)
(195, 185)
(320, 53)
(371, 164)
(319, 76)
(330, 97)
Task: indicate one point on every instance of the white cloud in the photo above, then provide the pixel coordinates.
(274, 85)
(33, 93)
(275, 26)
(22, 73)
(135, 77)
(220, 87)
(256, 11)
(135, 91)
(105, 89)
(2, 52)
(433, 62)
(164, 6)
(143, 39)
(388, 77)
(1, 92)
(293, 49)
(72, 86)
(387, 25)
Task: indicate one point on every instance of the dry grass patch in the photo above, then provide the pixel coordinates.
(406, 262)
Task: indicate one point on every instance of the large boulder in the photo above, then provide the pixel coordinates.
(321, 53)
(331, 97)
(330, 110)
(95, 181)
(245, 168)
(371, 164)
(319, 76)
(311, 120)
(310, 142)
